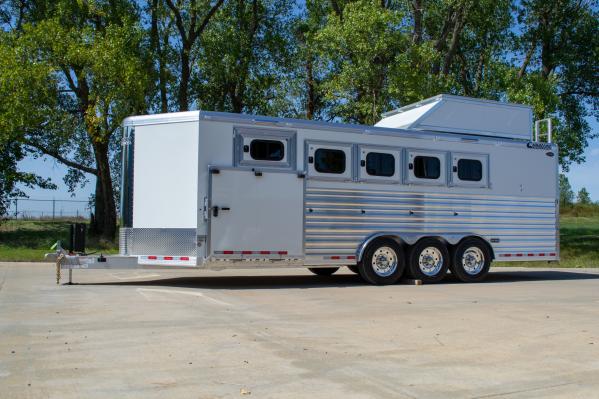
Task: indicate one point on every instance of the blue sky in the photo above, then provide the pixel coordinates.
(583, 175)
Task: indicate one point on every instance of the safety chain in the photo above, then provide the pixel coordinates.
(58, 264)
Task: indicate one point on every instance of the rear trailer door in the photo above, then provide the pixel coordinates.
(256, 215)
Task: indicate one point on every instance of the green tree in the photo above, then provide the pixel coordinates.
(10, 177)
(179, 47)
(360, 42)
(583, 197)
(566, 195)
(75, 70)
(244, 58)
(309, 69)
(557, 73)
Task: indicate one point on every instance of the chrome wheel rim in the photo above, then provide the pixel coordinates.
(384, 261)
(473, 260)
(430, 261)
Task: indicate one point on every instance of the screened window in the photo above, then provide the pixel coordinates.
(267, 150)
(329, 161)
(427, 167)
(380, 164)
(470, 170)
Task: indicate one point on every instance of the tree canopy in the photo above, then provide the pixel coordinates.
(71, 71)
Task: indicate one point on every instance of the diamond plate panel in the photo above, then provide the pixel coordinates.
(136, 241)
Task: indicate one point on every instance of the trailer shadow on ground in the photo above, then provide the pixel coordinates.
(340, 280)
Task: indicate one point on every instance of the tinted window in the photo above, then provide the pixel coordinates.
(267, 150)
(427, 167)
(380, 164)
(470, 170)
(329, 161)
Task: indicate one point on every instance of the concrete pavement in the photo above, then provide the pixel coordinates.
(288, 334)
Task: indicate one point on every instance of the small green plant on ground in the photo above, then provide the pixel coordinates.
(29, 240)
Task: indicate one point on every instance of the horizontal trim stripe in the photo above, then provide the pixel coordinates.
(362, 192)
(446, 210)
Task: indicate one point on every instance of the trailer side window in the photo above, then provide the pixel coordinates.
(329, 161)
(264, 148)
(470, 170)
(380, 164)
(427, 167)
(267, 150)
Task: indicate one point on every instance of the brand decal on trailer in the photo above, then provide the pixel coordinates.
(538, 146)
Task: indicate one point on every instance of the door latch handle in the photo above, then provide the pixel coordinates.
(215, 210)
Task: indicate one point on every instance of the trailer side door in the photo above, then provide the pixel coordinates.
(256, 214)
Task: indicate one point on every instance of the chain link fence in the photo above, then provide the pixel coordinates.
(49, 209)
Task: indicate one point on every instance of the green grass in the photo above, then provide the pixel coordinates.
(29, 240)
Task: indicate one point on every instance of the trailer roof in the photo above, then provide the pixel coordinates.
(191, 116)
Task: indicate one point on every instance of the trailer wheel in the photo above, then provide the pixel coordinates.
(383, 262)
(323, 271)
(428, 260)
(471, 260)
(354, 269)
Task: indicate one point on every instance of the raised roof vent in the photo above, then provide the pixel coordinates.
(463, 115)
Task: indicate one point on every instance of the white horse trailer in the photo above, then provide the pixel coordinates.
(450, 183)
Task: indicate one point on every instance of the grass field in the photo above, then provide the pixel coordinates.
(29, 240)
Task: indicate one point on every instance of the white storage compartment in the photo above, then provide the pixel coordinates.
(463, 115)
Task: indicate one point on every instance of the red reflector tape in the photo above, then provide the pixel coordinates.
(335, 257)
(184, 258)
(282, 252)
(519, 254)
(541, 254)
(351, 257)
(228, 252)
(531, 254)
(247, 252)
(168, 258)
(152, 257)
(552, 254)
(264, 252)
(507, 255)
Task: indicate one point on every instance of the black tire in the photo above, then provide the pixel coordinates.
(373, 272)
(476, 269)
(323, 271)
(428, 260)
(354, 269)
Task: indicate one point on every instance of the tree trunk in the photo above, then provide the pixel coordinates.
(338, 10)
(310, 100)
(185, 76)
(105, 207)
(439, 44)
(455, 40)
(527, 59)
(157, 48)
(417, 15)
